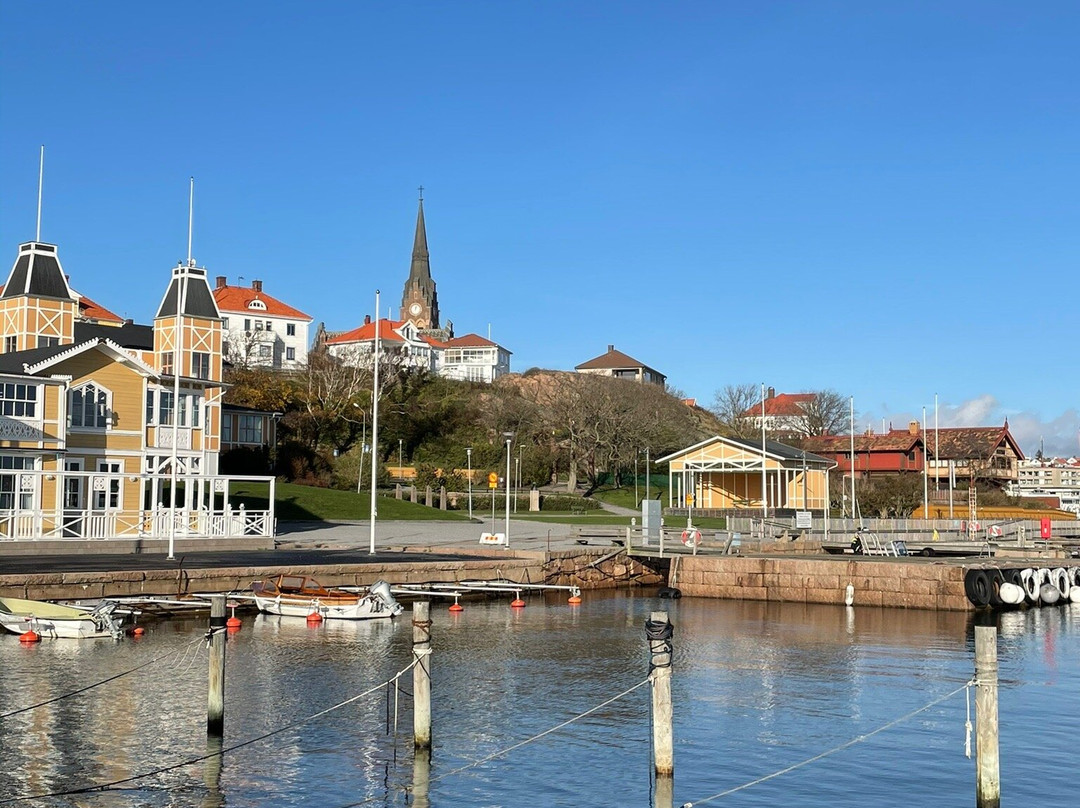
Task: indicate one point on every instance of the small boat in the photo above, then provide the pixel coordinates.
(54, 620)
(302, 595)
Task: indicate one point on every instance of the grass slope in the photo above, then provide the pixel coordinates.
(304, 503)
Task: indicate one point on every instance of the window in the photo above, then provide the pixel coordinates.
(196, 410)
(266, 351)
(200, 365)
(11, 344)
(226, 428)
(257, 304)
(16, 490)
(290, 354)
(165, 413)
(250, 429)
(258, 325)
(167, 362)
(269, 325)
(290, 329)
(108, 499)
(225, 323)
(47, 342)
(247, 325)
(18, 400)
(90, 407)
(150, 407)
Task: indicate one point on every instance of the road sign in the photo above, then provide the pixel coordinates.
(803, 519)
(493, 480)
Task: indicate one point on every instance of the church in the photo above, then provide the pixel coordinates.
(418, 338)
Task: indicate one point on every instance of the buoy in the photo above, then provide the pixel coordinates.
(517, 603)
(849, 595)
(233, 622)
(314, 618)
(138, 631)
(30, 636)
(574, 600)
(456, 607)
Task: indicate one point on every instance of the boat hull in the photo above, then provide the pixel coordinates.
(54, 620)
(362, 609)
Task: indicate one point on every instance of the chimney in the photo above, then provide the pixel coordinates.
(128, 321)
(772, 393)
(219, 282)
(610, 348)
(367, 319)
(256, 285)
(913, 427)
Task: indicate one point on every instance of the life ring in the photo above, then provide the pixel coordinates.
(691, 537)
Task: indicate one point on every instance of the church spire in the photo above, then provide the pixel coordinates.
(419, 300)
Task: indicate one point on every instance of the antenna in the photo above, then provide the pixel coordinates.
(40, 182)
(190, 217)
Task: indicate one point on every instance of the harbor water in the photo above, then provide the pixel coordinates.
(756, 688)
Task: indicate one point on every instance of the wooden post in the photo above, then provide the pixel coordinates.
(215, 707)
(421, 778)
(421, 638)
(987, 775)
(658, 630)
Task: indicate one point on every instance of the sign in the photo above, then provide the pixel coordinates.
(493, 538)
(689, 500)
(804, 519)
(1045, 530)
(493, 480)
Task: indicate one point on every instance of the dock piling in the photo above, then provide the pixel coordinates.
(422, 674)
(659, 631)
(987, 774)
(215, 706)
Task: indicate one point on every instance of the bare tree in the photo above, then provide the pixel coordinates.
(825, 414)
(733, 406)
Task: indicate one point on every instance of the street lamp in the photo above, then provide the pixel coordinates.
(400, 462)
(468, 458)
(509, 437)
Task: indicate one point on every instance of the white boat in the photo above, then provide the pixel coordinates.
(301, 596)
(54, 620)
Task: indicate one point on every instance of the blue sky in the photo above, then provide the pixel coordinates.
(875, 198)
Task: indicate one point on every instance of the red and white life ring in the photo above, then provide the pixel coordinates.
(691, 537)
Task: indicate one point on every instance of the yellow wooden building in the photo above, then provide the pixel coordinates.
(730, 474)
(99, 417)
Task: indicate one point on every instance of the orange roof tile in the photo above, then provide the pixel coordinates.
(471, 341)
(782, 404)
(366, 333)
(91, 310)
(235, 299)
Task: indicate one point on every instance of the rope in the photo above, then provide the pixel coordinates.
(825, 754)
(659, 631)
(201, 758)
(967, 723)
(156, 659)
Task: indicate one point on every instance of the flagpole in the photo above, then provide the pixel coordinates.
(764, 492)
(937, 460)
(852, 457)
(925, 472)
(374, 425)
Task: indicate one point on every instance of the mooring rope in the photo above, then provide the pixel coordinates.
(185, 649)
(826, 754)
(219, 753)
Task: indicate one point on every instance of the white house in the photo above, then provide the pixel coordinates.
(261, 330)
(474, 359)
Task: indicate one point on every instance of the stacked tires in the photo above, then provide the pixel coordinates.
(1011, 588)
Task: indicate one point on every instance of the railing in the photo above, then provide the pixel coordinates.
(43, 524)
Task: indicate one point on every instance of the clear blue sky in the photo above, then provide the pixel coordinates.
(876, 198)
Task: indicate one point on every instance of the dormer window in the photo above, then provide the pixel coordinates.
(257, 304)
(90, 407)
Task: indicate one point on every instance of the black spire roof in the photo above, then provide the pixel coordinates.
(197, 297)
(37, 272)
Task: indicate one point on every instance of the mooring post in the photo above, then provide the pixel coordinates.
(987, 775)
(659, 631)
(421, 778)
(215, 706)
(421, 637)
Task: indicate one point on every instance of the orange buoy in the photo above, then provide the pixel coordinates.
(233, 622)
(138, 631)
(574, 600)
(29, 637)
(517, 603)
(314, 618)
(457, 607)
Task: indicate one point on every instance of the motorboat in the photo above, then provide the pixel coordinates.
(55, 620)
(302, 596)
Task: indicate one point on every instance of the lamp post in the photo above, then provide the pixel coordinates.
(400, 461)
(509, 437)
(363, 446)
(517, 478)
(468, 458)
(374, 426)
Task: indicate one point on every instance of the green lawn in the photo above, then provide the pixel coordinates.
(296, 503)
(624, 496)
(603, 518)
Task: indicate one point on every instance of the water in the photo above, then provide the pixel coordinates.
(756, 688)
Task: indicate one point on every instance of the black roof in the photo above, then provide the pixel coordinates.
(13, 362)
(38, 263)
(198, 302)
(782, 450)
(129, 335)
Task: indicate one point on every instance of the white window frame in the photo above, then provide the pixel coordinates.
(106, 416)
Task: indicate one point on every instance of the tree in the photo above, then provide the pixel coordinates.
(732, 406)
(825, 414)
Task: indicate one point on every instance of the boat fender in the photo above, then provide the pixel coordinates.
(1011, 594)
(1061, 580)
(670, 592)
(977, 585)
(1049, 594)
(1030, 583)
(849, 595)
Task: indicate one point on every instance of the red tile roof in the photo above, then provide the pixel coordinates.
(235, 299)
(470, 341)
(613, 360)
(953, 443)
(782, 404)
(91, 310)
(366, 333)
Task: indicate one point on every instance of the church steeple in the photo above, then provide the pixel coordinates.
(419, 300)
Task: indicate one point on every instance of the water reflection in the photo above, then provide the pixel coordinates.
(756, 687)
